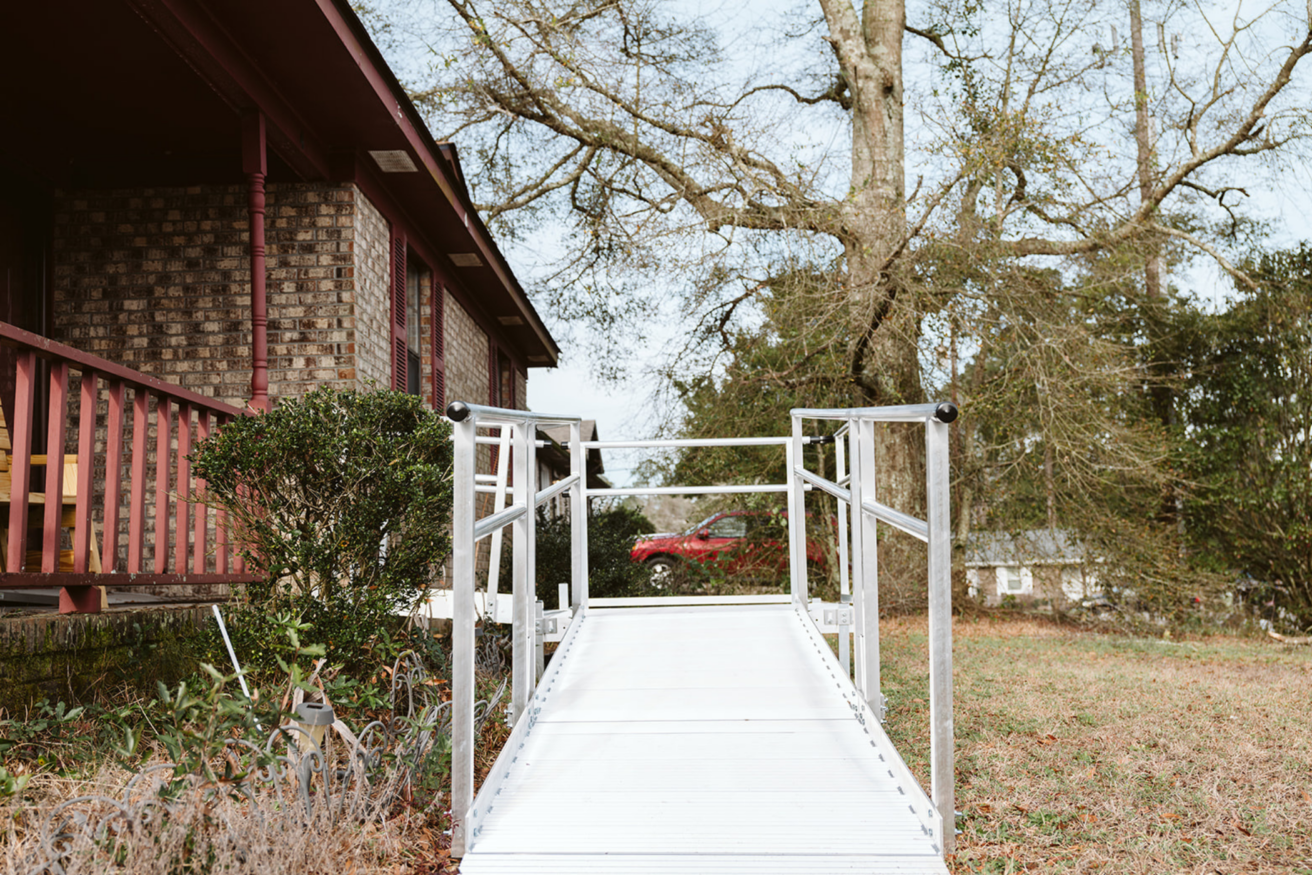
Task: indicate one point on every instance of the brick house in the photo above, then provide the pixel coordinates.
(207, 206)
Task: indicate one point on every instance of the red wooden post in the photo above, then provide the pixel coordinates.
(56, 421)
(198, 537)
(113, 474)
(163, 425)
(254, 164)
(79, 599)
(221, 527)
(184, 488)
(137, 507)
(86, 436)
(21, 467)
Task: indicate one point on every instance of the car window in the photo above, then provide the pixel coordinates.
(767, 525)
(694, 529)
(729, 527)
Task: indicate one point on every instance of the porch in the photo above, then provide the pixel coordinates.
(127, 513)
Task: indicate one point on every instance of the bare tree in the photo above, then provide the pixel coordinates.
(628, 124)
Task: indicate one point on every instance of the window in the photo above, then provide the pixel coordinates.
(417, 279)
(1010, 580)
(729, 527)
(500, 378)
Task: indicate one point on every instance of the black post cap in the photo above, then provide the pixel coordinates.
(945, 412)
(458, 411)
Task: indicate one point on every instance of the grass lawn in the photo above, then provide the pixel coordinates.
(1083, 752)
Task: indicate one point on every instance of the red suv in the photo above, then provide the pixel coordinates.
(739, 543)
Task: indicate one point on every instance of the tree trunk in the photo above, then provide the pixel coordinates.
(886, 371)
(885, 363)
(1159, 391)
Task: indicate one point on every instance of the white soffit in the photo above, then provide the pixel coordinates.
(394, 161)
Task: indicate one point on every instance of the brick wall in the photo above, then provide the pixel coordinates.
(158, 280)
(75, 656)
(466, 356)
(426, 295)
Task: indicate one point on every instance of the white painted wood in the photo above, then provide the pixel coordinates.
(699, 740)
(441, 605)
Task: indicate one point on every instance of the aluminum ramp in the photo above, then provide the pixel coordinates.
(701, 739)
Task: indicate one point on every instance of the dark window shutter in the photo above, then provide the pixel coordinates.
(398, 311)
(493, 397)
(439, 345)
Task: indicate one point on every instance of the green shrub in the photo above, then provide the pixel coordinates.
(610, 539)
(342, 501)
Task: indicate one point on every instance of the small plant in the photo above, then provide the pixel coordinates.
(45, 722)
(12, 785)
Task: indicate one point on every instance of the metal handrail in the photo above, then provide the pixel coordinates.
(944, 412)
(732, 489)
(668, 443)
(865, 512)
(829, 486)
(519, 438)
(488, 525)
(545, 495)
(905, 522)
(458, 411)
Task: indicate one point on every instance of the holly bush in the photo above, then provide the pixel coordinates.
(341, 501)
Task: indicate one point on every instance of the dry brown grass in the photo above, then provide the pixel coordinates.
(208, 831)
(202, 833)
(1083, 752)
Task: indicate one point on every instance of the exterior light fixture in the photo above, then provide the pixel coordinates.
(314, 718)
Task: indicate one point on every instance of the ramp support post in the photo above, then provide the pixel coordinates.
(578, 517)
(462, 630)
(940, 622)
(865, 563)
(796, 515)
(525, 579)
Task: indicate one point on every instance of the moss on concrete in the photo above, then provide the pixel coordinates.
(73, 657)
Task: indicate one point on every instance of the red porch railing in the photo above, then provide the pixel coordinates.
(170, 540)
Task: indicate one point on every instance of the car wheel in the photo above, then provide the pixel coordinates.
(664, 570)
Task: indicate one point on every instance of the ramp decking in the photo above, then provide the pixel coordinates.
(701, 739)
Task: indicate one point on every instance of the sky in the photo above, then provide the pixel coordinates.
(622, 413)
